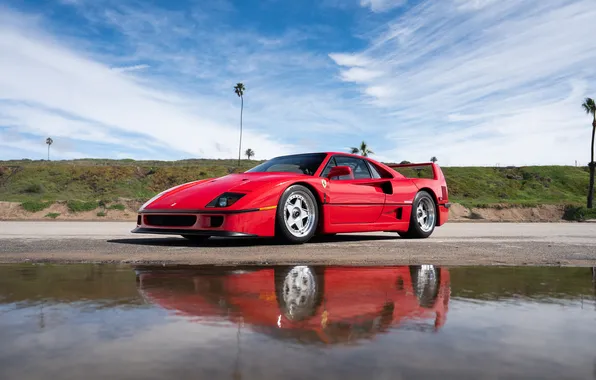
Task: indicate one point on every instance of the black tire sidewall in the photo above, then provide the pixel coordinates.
(281, 229)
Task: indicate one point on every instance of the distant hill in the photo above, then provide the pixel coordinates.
(103, 179)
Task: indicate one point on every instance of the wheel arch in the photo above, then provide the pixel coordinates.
(318, 199)
(315, 194)
(432, 193)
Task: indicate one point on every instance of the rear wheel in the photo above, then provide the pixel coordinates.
(423, 218)
(196, 238)
(297, 215)
(425, 283)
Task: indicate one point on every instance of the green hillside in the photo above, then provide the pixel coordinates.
(96, 180)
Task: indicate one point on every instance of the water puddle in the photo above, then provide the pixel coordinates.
(296, 322)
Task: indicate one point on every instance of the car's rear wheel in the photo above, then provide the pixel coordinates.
(425, 283)
(297, 215)
(196, 238)
(423, 217)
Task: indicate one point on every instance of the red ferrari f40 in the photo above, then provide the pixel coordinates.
(298, 196)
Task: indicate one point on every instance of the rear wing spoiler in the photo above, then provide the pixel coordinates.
(437, 172)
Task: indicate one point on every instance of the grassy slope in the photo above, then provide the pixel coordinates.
(111, 179)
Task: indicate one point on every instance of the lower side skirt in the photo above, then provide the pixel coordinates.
(171, 231)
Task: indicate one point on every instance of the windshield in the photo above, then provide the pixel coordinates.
(297, 163)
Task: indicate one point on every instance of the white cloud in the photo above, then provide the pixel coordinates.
(502, 84)
(382, 5)
(473, 4)
(470, 81)
(357, 74)
(349, 59)
(39, 71)
(185, 101)
(131, 68)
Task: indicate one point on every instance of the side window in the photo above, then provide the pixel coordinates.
(373, 170)
(327, 169)
(359, 167)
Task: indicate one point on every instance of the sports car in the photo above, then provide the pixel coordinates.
(310, 304)
(296, 197)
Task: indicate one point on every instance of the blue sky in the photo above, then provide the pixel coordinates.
(473, 82)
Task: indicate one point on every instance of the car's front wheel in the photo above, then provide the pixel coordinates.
(297, 215)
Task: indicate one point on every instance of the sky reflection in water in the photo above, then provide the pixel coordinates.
(101, 321)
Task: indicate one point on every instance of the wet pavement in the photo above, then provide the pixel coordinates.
(85, 321)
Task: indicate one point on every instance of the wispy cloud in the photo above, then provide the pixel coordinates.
(469, 81)
(382, 5)
(170, 79)
(515, 72)
(131, 68)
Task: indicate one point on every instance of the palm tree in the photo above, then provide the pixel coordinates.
(434, 159)
(590, 108)
(239, 90)
(363, 150)
(249, 153)
(49, 141)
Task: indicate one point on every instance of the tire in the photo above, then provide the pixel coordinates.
(417, 230)
(425, 284)
(299, 291)
(196, 238)
(289, 232)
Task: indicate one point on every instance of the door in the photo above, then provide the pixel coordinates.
(353, 200)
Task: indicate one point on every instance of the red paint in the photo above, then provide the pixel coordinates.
(354, 201)
(356, 205)
(376, 298)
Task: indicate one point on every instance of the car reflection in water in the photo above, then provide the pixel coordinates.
(310, 304)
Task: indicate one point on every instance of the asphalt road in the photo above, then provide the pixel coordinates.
(452, 244)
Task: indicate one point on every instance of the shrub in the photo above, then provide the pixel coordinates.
(35, 206)
(578, 213)
(117, 206)
(53, 215)
(81, 206)
(33, 188)
(101, 213)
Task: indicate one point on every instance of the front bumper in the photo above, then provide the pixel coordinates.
(225, 223)
(175, 231)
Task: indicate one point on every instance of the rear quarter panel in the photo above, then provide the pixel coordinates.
(438, 189)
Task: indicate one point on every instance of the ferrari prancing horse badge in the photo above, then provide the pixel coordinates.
(324, 182)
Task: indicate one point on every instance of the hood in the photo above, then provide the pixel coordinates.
(195, 195)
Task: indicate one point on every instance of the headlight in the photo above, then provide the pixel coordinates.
(225, 200)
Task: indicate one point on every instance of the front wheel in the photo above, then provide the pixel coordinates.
(423, 217)
(297, 215)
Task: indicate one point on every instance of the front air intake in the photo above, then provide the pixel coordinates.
(171, 220)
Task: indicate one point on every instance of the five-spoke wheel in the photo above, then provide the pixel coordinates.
(425, 283)
(297, 215)
(299, 291)
(423, 218)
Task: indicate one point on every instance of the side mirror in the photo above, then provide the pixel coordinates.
(339, 171)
